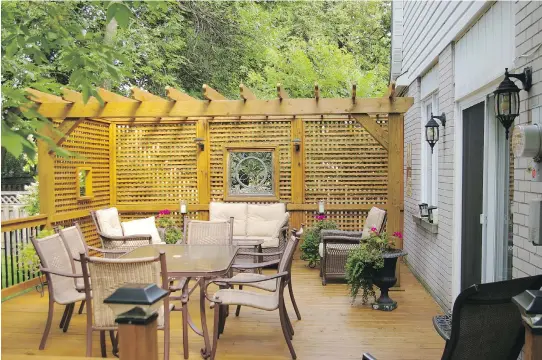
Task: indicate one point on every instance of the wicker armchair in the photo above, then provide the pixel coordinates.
(107, 275)
(263, 301)
(57, 266)
(336, 244)
(485, 323)
(197, 232)
(126, 243)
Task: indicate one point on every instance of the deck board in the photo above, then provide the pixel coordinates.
(331, 327)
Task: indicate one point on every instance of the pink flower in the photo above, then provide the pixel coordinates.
(374, 229)
(320, 217)
(398, 234)
(164, 212)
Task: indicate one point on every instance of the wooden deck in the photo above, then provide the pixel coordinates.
(331, 328)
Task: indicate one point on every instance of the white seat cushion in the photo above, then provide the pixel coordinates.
(142, 227)
(375, 218)
(109, 222)
(265, 220)
(219, 211)
(268, 241)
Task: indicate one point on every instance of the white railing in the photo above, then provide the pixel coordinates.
(12, 208)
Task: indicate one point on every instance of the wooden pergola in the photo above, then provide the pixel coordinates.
(145, 109)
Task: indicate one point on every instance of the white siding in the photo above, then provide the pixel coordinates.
(430, 26)
(429, 82)
(485, 50)
(396, 39)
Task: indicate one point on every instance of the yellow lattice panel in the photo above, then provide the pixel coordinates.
(344, 164)
(90, 142)
(156, 163)
(345, 220)
(246, 132)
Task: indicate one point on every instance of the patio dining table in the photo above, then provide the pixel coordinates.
(193, 261)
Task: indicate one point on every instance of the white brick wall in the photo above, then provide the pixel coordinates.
(527, 258)
(430, 255)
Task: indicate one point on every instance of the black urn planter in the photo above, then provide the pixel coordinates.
(385, 278)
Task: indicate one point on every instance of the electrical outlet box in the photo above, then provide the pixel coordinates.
(527, 142)
(535, 236)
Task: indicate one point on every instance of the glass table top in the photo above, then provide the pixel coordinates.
(190, 260)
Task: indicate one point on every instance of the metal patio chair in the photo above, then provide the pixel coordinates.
(268, 302)
(57, 266)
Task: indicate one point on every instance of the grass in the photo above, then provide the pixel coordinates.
(13, 275)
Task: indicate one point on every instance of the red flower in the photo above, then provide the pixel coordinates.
(164, 212)
(320, 217)
(398, 234)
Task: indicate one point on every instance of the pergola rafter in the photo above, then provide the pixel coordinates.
(211, 94)
(246, 93)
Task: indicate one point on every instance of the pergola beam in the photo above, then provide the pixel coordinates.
(281, 93)
(211, 94)
(144, 95)
(376, 131)
(177, 95)
(74, 96)
(194, 108)
(41, 97)
(246, 93)
(109, 97)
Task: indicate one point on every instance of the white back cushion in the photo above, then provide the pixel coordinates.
(265, 220)
(375, 218)
(219, 211)
(109, 222)
(142, 227)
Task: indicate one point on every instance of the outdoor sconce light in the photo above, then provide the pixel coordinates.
(182, 207)
(431, 213)
(136, 304)
(424, 211)
(321, 207)
(529, 303)
(200, 142)
(432, 129)
(297, 144)
(507, 97)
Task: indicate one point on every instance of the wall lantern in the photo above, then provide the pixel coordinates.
(507, 97)
(424, 210)
(297, 144)
(200, 142)
(529, 303)
(321, 207)
(432, 129)
(431, 214)
(182, 207)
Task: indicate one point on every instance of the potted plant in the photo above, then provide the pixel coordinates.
(29, 260)
(311, 239)
(169, 233)
(372, 263)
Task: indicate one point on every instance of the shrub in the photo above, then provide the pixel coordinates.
(311, 239)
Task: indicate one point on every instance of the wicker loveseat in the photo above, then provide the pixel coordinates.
(266, 221)
(336, 244)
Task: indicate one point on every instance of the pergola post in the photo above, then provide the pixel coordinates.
(113, 164)
(203, 166)
(298, 170)
(395, 178)
(46, 177)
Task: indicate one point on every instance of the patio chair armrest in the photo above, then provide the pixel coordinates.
(179, 286)
(126, 238)
(60, 273)
(248, 281)
(260, 254)
(367, 356)
(109, 251)
(341, 240)
(255, 265)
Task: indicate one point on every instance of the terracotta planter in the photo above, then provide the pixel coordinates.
(385, 279)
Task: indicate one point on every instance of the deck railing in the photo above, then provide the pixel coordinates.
(16, 233)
